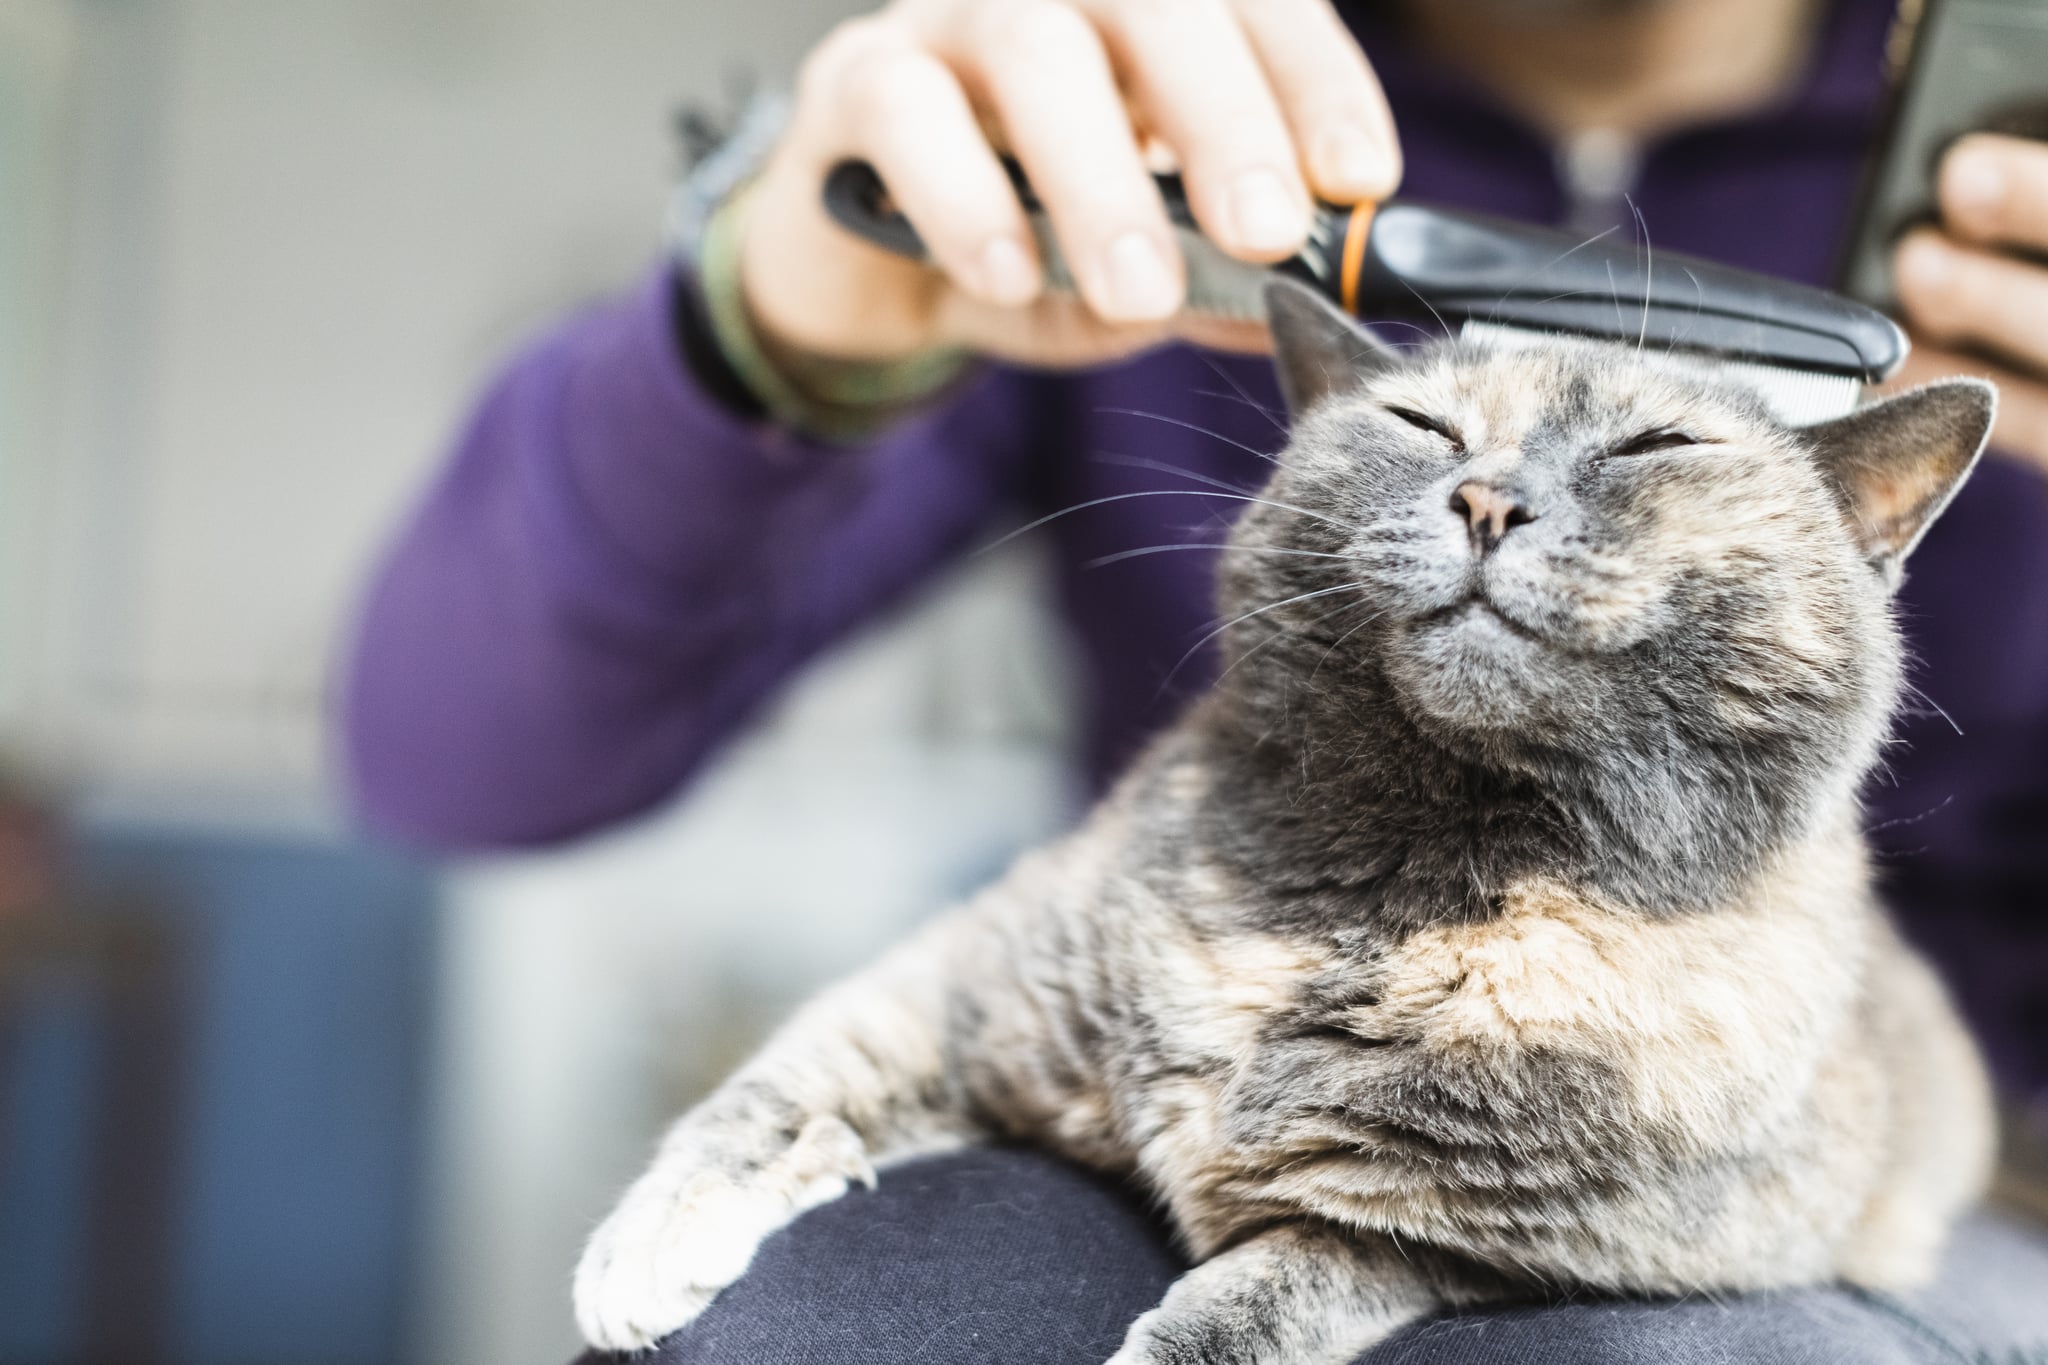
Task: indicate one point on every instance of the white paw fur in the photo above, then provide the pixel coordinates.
(1139, 1346)
(685, 1231)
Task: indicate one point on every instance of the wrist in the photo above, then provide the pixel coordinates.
(835, 399)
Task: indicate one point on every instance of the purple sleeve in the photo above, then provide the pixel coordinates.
(614, 570)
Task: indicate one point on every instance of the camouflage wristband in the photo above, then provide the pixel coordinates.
(838, 401)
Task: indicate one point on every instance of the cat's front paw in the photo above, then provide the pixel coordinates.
(684, 1231)
(1163, 1337)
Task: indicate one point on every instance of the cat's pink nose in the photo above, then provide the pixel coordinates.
(1490, 511)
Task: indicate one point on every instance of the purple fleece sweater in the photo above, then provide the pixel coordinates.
(616, 569)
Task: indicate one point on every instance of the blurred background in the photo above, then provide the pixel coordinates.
(268, 1094)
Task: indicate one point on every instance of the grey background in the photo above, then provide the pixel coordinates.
(256, 260)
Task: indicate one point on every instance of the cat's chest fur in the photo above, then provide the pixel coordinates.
(1462, 1078)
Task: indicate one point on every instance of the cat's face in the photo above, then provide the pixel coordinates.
(1546, 535)
(1574, 549)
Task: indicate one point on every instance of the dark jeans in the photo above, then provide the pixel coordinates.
(1006, 1257)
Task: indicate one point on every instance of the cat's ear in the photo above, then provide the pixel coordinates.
(1896, 463)
(1317, 347)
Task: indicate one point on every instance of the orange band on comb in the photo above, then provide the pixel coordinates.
(1355, 233)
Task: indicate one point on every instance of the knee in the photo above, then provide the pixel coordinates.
(1761, 1329)
(990, 1244)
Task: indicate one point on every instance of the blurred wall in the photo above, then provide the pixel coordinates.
(256, 259)
(259, 257)
(36, 66)
(277, 246)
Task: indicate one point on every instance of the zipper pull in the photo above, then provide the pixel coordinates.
(1598, 168)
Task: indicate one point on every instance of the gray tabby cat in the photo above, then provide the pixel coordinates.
(1500, 923)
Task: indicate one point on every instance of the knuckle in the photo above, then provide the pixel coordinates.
(813, 75)
(1915, 307)
(842, 47)
(1331, 85)
(892, 88)
(1996, 185)
(1228, 135)
(1273, 15)
(1943, 319)
(1929, 302)
(850, 38)
(1971, 302)
(1151, 15)
(1246, 123)
(2029, 201)
(1331, 98)
(1036, 32)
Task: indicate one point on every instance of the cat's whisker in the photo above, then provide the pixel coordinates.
(1338, 643)
(1649, 269)
(1279, 634)
(1904, 820)
(1142, 462)
(1425, 337)
(1241, 401)
(1196, 648)
(1494, 315)
(1447, 329)
(1031, 526)
(1562, 294)
(1195, 427)
(1146, 462)
(1934, 706)
(1283, 633)
(1224, 546)
(1221, 373)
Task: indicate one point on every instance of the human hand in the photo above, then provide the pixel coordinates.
(1979, 282)
(1261, 102)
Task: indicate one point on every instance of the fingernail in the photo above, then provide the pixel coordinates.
(1006, 274)
(1976, 182)
(1347, 159)
(1925, 264)
(1265, 213)
(1141, 284)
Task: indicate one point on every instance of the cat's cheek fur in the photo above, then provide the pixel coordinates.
(1413, 570)
(1582, 590)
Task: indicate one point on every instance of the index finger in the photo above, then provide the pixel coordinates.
(1994, 191)
(1332, 100)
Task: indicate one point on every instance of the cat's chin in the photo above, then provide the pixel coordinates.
(1475, 635)
(1481, 621)
(1472, 669)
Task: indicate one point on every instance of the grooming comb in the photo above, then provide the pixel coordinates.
(1806, 352)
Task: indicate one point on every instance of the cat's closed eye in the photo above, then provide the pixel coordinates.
(1664, 438)
(1424, 422)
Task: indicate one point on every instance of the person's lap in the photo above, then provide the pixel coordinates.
(1006, 1257)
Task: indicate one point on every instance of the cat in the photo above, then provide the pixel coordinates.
(1500, 924)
